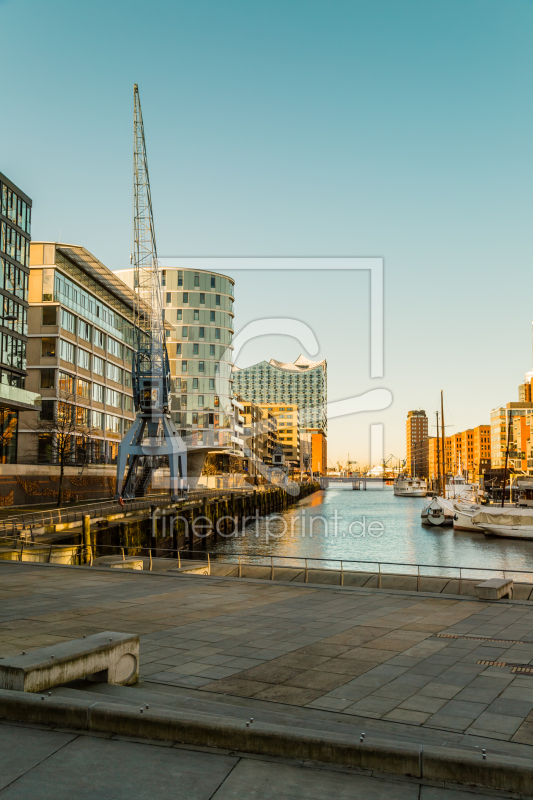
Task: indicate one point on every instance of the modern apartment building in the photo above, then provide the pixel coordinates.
(260, 434)
(80, 349)
(416, 430)
(287, 418)
(198, 305)
(499, 422)
(15, 237)
(302, 383)
(319, 451)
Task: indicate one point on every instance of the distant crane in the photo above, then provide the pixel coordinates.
(151, 369)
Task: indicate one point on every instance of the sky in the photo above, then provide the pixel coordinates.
(396, 129)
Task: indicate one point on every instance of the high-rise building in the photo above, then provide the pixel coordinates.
(80, 348)
(416, 428)
(288, 429)
(199, 307)
(302, 383)
(15, 237)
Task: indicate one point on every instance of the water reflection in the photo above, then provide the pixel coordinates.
(371, 526)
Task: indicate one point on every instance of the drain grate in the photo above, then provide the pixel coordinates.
(520, 669)
(482, 638)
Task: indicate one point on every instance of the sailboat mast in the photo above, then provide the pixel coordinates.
(438, 453)
(443, 429)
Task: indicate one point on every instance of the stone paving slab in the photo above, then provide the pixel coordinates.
(355, 651)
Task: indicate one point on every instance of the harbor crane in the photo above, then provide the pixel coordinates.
(153, 437)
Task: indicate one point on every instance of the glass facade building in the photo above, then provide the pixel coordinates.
(199, 307)
(302, 382)
(80, 353)
(15, 237)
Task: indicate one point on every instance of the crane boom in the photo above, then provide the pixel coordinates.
(151, 369)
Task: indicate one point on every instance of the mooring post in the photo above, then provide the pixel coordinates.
(86, 537)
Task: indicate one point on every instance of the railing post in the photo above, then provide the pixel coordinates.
(240, 569)
(50, 554)
(306, 571)
(123, 556)
(150, 559)
(418, 579)
(460, 581)
(271, 568)
(379, 575)
(342, 574)
(179, 560)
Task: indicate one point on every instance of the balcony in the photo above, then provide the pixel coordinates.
(15, 398)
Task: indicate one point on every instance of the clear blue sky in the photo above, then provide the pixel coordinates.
(392, 128)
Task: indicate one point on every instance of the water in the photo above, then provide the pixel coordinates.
(371, 526)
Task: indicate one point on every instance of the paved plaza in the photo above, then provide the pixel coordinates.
(350, 654)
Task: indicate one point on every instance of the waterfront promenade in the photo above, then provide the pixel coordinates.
(314, 657)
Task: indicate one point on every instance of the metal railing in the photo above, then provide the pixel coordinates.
(86, 554)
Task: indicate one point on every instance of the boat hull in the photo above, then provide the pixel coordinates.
(463, 522)
(509, 532)
(410, 492)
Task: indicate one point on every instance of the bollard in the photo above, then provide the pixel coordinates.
(86, 536)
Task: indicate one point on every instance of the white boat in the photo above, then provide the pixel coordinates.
(439, 513)
(463, 515)
(405, 486)
(514, 523)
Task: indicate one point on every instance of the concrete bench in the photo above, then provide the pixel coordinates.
(108, 657)
(193, 568)
(130, 562)
(495, 588)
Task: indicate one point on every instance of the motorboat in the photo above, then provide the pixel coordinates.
(405, 486)
(513, 523)
(438, 513)
(458, 487)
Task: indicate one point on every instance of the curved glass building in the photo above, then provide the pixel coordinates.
(199, 306)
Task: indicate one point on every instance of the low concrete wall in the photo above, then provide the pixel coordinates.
(496, 772)
(41, 554)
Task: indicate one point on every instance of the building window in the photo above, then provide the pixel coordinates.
(184, 401)
(99, 339)
(49, 315)
(196, 279)
(169, 298)
(195, 349)
(66, 351)
(128, 402)
(217, 299)
(201, 333)
(185, 297)
(211, 349)
(98, 366)
(84, 359)
(113, 398)
(180, 278)
(115, 348)
(212, 316)
(202, 298)
(112, 423)
(178, 349)
(200, 401)
(48, 378)
(68, 321)
(47, 410)
(66, 383)
(195, 383)
(184, 366)
(180, 314)
(211, 383)
(114, 373)
(184, 332)
(83, 388)
(98, 393)
(200, 366)
(84, 330)
(196, 315)
(164, 278)
(97, 419)
(216, 401)
(217, 333)
(212, 281)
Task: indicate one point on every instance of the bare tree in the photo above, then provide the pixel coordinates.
(67, 424)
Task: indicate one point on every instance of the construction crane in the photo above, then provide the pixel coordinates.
(153, 437)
